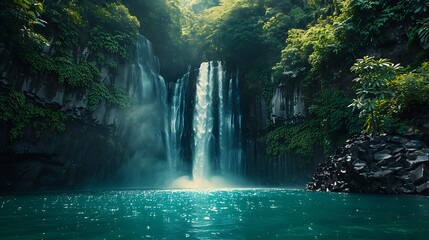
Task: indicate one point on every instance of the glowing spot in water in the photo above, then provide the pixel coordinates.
(215, 182)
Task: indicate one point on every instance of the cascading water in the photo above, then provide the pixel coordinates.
(177, 124)
(200, 128)
(216, 123)
(146, 126)
(230, 126)
(203, 121)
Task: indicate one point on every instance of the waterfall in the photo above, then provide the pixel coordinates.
(215, 122)
(289, 105)
(223, 136)
(195, 130)
(230, 129)
(299, 107)
(278, 106)
(203, 121)
(146, 128)
(177, 123)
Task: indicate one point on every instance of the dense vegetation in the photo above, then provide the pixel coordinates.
(311, 44)
(320, 58)
(69, 43)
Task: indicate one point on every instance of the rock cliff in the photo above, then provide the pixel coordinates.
(383, 164)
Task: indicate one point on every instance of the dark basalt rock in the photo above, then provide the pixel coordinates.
(419, 175)
(360, 166)
(408, 188)
(413, 144)
(397, 139)
(423, 189)
(383, 157)
(395, 166)
(385, 164)
(421, 157)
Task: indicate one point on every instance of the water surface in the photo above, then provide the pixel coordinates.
(213, 214)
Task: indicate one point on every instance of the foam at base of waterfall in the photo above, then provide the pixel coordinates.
(185, 182)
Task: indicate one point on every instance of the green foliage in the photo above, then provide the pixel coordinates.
(371, 19)
(103, 32)
(98, 92)
(281, 17)
(65, 21)
(334, 116)
(419, 11)
(373, 77)
(329, 119)
(20, 112)
(200, 5)
(114, 29)
(409, 103)
(412, 87)
(63, 68)
(19, 19)
(333, 42)
(300, 139)
(81, 74)
(85, 36)
(161, 22)
(116, 96)
(105, 42)
(77, 75)
(423, 31)
(320, 55)
(308, 50)
(248, 32)
(116, 17)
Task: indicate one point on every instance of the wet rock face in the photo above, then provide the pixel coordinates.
(384, 164)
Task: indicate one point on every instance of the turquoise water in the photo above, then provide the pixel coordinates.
(213, 214)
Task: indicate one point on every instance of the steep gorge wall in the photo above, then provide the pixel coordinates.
(88, 152)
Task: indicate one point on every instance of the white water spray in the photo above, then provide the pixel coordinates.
(216, 125)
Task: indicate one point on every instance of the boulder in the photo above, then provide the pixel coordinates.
(375, 168)
(411, 156)
(419, 175)
(354, 152)
(388, 165)
(420, 158)
(378, 146)
(360, 166)
(407, 188)
(423, 189)
(397, 139)
(398, 150)
(395, 166)
(403, 176)
(382, 175)
(413, 144)
(383, 157)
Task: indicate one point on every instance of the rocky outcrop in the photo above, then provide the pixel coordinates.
(383, 164)
(44, 90)
(96, 145)
(80, 156)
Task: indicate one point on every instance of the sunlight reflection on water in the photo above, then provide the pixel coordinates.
(227, 213)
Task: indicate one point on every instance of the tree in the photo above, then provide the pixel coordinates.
(18, 19)
(373, 77)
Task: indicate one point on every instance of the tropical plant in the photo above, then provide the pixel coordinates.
(19, 19)
(373, 77)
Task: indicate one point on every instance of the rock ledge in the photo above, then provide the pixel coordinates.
(384, 164)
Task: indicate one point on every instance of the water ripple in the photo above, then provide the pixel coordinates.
(213, 214)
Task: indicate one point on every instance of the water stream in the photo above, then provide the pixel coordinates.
(215, 141)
